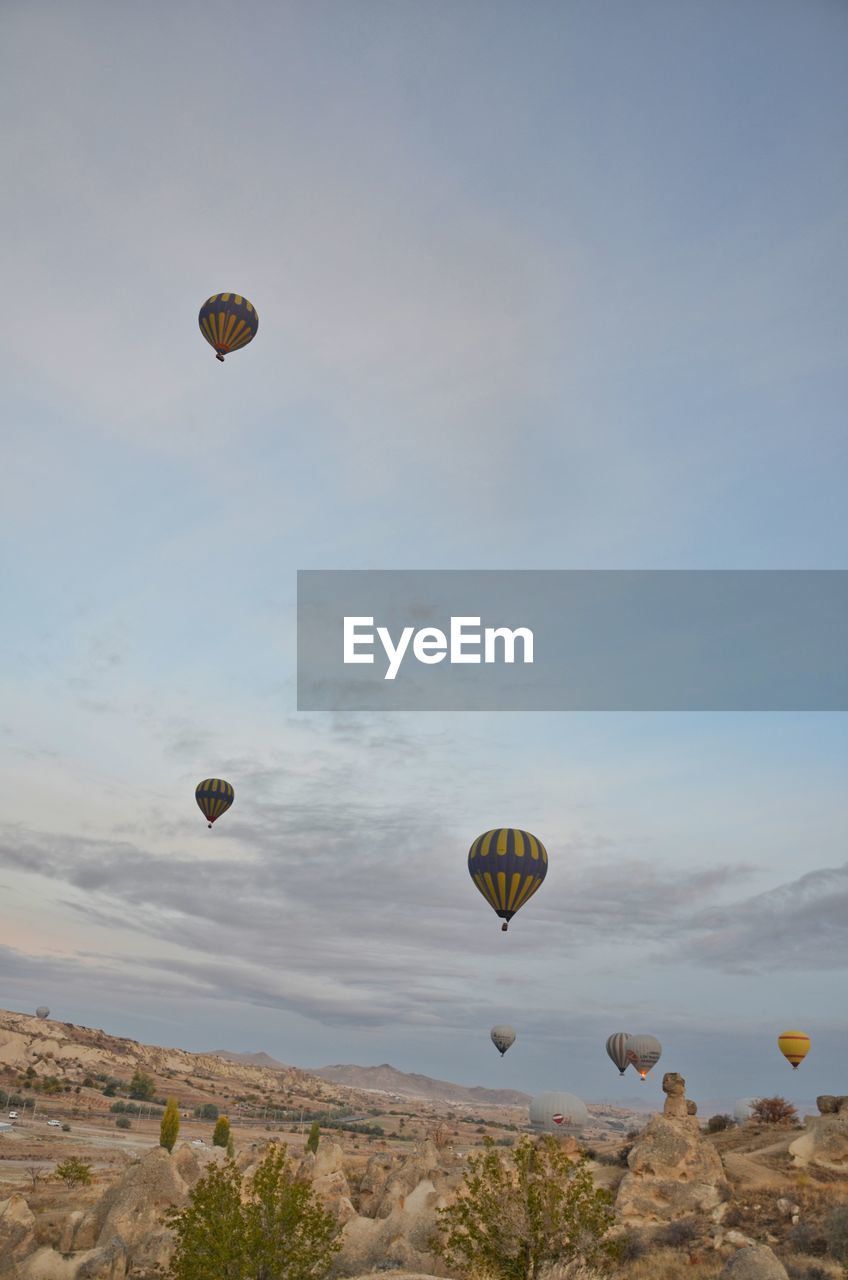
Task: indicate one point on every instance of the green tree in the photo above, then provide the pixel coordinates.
(314, 1137)
(523, 1210)
(142, 1086)
(231, 1147)
(221, 1136)
(275, 1230)
(170, 1125)
(74, 1172)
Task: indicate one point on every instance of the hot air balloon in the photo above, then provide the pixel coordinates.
(42, 1011)
(643, 1052)
(743, 1110)
(794, 1046)
(214, 797)
(617, 1050)
(228, 321)
(502, 1038)
(507, 865)
(558, 1113)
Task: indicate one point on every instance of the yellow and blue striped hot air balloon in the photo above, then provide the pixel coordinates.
(794, 1045)
(214, 797)
(507, 865)
(228, 321)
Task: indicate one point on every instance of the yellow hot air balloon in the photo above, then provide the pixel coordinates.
(794, 1046)
(214, 797)
(507, 865)
(228, 321)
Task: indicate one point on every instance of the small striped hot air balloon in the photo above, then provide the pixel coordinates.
(228, 321)
(507, 865)
(214, 797)
(794, 1046)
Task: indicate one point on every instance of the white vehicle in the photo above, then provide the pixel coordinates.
(54, 1124)
(198, 1142)
(13, 1115)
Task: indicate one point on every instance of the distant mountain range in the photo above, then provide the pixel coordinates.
(387, 1079)
(252, 1059)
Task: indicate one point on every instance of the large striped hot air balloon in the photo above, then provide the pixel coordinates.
(214, 797)
(228, 321)
(794, 1046)
(507, 865)
(617, 1050)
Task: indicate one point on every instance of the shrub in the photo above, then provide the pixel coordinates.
(314, 1137)
(835, 1232)
(221, 1136)
(66, 1128)
(170, 1125)
(773, 1111)
(805, 1238)
(275, 1228)
(520, 1211)
(207, 1112)
(142, 1087)
(123, 1122)
(74, 1172)
(717, 1124)
(681, 1233)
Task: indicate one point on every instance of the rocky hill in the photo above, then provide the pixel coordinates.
(409, 1084)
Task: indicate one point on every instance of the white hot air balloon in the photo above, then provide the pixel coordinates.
(42, 1011)
(643, 1052)
(502, 1038)
(559, 1113)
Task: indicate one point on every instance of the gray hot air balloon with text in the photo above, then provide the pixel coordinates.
(42, 1011)
(558, 1113)
(617, 1050)
(643, 1052)
(502, 1038)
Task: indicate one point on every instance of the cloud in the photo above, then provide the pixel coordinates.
(802, 924)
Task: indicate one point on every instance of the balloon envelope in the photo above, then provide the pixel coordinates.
(743, 1110)
(214, 797)
(617, 1049)
(643, 1052)
(42, 1011)
(508, 866)
(228, 321)
(558, 1113)
(502, 1038)
(794, 1045)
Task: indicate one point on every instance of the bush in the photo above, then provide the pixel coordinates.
(142, 1087)
(717, 1124)
(681, 1233)
(773, 1111)
(170, 1125)
(123, 1122)
(835, 1232)
(805, 1238)
(73, 1172)
(221, 1136)
(521, 1211)
(207, 1112)
(66, 1128)
(276, 1227)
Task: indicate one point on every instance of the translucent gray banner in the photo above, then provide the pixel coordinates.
(540, 640)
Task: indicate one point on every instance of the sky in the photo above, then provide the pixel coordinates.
(553, 286)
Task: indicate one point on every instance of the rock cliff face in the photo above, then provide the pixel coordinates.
(824, 1143)
(672, 1171)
